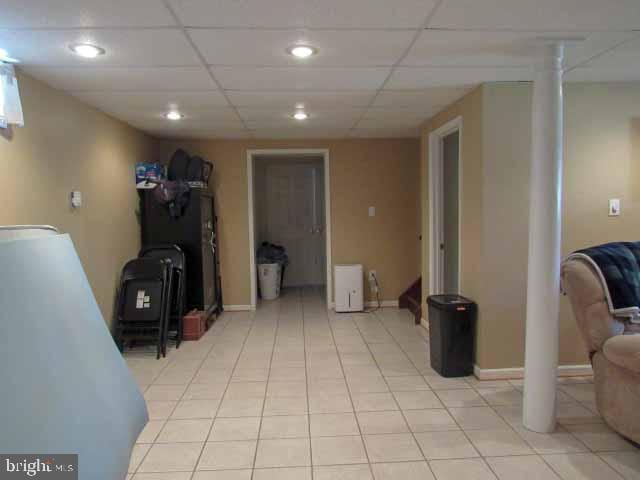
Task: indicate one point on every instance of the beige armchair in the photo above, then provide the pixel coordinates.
(615, 355)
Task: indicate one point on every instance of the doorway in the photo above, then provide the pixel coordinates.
(289, 207)
(445, 207)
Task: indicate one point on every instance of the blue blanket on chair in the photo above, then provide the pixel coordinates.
(618, 265)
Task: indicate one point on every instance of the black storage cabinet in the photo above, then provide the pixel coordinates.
(452, 327)
(195, 232)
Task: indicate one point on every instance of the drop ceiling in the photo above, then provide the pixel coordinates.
(382, 68)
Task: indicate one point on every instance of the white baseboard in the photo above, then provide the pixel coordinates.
(238, 308)
(518, 373)
(574, 370)
(383, 303)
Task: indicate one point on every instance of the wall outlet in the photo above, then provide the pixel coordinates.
(373, 284)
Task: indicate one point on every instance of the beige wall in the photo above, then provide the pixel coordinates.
(380, 172)
(469, 108)
(602, 158)
(602, 161)
(67, 146)
(505, 219)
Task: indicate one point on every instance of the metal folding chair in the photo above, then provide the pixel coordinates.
(143, 302)
(178, 291)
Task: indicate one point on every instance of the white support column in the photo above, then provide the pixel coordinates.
(543, 285)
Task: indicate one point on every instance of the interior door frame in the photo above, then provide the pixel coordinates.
(436, 207)
(288, 152)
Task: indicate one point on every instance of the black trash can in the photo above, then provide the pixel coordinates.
(452, 326)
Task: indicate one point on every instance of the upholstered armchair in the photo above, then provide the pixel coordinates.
(614, 352)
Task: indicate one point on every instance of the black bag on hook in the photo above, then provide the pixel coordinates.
(178, 166)
(199, 170)
(175, 195)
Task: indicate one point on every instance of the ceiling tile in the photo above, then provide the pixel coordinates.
(545, 15)
(425, 99)
(177, 131)
(310, 100)
(621, 64)
(303, 13)
(210, 118)
(385, 133)
(199, 134)
(300, 78)
(630, 73)
(83, 13)
(118, 79)
(268, 47)
(143, 47)
(146, 100)
(300, 132)
(500, 49)
(264, 118)
(398, 115)
(392, 122)
(625, 55)
(415, 78)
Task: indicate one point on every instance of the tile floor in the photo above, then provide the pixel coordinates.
(294, 392)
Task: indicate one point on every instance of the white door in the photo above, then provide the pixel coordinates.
(295, 219)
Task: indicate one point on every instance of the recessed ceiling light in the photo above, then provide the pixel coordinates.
(300, 115)
(302, 51)
(173, 115)
(300, 106)
(86, 50)
(5, 57)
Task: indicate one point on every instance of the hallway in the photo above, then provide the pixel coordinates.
(293, 391)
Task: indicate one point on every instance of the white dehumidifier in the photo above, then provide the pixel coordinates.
(349, 281)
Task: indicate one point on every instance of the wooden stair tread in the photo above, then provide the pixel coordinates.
(411, 299)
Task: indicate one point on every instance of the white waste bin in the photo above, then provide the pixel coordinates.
(269, 277)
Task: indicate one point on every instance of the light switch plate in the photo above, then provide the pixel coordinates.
(372, 211)
(76, 199)
(614, 207)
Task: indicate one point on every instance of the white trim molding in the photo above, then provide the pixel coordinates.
(238, 308)
(371, 304)
(383, 303)
(518, 372)
(435, 189)
(324, 152)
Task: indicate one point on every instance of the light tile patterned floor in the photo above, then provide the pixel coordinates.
(294, 392)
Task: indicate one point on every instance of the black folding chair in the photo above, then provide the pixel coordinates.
(178, 281)
(143, 302)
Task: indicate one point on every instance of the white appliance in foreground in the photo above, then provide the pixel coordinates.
(349, 281)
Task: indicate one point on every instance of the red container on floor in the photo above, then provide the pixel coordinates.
(194, 324)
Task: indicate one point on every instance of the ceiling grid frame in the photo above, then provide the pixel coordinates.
(383, 68)
(204, 64)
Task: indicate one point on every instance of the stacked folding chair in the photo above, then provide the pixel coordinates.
(144, 302)
(176, 256)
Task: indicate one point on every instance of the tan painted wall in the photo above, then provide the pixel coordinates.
(380, 172)
(602, 161)
(505, 219)
(67, 146)
(470, 109)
